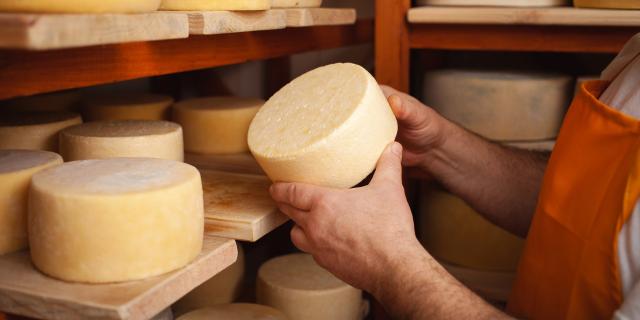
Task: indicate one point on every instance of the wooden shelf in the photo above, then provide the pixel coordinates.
(25, 291)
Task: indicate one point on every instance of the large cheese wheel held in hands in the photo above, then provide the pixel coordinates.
(236, 5)
(501, 105)
(16, 169)
(327, 127)
(144, 106)
(296, 285)
(130, 138)
(79, 6)
(235, 311)
(216, 125)
(34, 130)
(113, 220)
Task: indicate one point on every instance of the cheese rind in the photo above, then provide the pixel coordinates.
(296, 285)
(113, 220)
(216, 125)
(34, 131)
(127, 107)
(327, 127)
(16, 169)
(131, 138)
(215, 5)
(235, 311)
(79, 6)
(296, 3)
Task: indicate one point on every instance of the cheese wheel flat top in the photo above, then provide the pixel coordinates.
(215, 5)
(79, 6)
(36, 118)
(125, 128)
(18, 160)
(211, 104)
(298, 272)
(235, 311)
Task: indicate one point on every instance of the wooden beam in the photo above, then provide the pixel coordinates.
(392, 43)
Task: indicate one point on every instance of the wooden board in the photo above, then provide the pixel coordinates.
(489, 285)
(56, 31)
(25, 291)
(307, 17)
(607, 4)
(495, 3)
(524, 16)
(219, 22)
(237, 163)
(239, 206)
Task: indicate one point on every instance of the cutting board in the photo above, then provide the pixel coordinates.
(218, 22)
(25, 291)
(238, 163)
(239, 206)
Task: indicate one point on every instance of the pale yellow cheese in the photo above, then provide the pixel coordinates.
(327, 127)
(495, 3)
(607, 4)
(216, 125)
(49, 102)
(34, 131)
(225, 287)
(16, 169)
(127, 107)
(129, 138)
(453, 232)
(296, 285)
(79, 6)
(235, 311)
(215, 5)
(113, 220)
(296, 3)
(501, 105)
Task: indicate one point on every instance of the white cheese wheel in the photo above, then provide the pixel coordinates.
(453, 232)
(215, 5)
(235, 311)
(79, 6)
(495, 3)
(64, 101)
(296, 3)
(216, 125)
(225, 287)
(607, 4)
(16, 169)
(127, 107)
(296, 285)
(120, 139)
(327, 127)
(546, 145)
(501, 105)
(113, 220)
(34, 131)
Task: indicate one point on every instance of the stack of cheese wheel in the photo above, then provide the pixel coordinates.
(215, 5)
(79, 6)
(225, 287)
(327, 127)
(127, 107)
(129, 138)
(607, 4)
(296, 285)
(495, 3)
(113, 220)
(64, 101)
(236, 311)
(16, 169)
(296, 3)
(216, 125)
(35, 131)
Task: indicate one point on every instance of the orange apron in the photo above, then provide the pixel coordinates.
(569, 268)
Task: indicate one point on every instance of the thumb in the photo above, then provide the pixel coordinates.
(389, 168)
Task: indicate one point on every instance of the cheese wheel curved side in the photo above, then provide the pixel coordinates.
(236, 5)
(235, 311)
(79, 6)
(35, 131)
(133, 107)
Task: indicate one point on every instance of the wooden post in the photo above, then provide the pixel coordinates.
(392, 43)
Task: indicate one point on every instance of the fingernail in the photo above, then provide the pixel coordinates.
(396, 148)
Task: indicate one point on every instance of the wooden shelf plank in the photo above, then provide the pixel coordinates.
(307, 17)
(219, 22)
(525, 16)
(81, 67)
(56, 31)
(25, 291)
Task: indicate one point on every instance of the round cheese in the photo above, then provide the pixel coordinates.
(216, 125)
(296, 3)
(501, 105)
(327, 127)
(546, 145)
(79, 6)
(495, 3)
(113, 220)
(130, 107)
(296, 285)
(225, 287)
(607, 4)
(16, 169)
(453, 232)
(35, 131)
(119, 139)
(215, 5)
(236, 311)
(50, 102)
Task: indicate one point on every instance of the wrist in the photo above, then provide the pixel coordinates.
(396, 270)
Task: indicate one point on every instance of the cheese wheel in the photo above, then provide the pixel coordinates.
(215, 5)
(114, 220)
(546, 145)
(296, 285)
(453, 232)
(34, 131)
(129, 107)
(607, 4)
(501, 105)
(225, 287)
(235, 311)
(296, 3)
(119, 139)
(327, 127)
(216, 125)
(16, 169)
(79, 6)
(64, 101)
(495, 3)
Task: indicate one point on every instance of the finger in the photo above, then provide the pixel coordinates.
(299, 239)
(387, 90)
(298, 195)
(298, 216)
(411, 114)
(389, 168)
